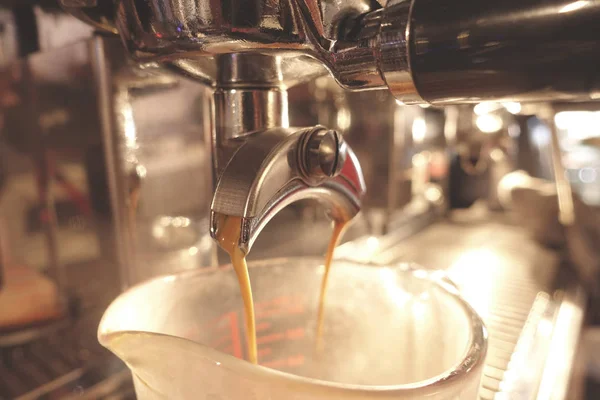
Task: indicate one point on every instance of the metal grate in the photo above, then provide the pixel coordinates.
(510, 342)
(61, 365)
(64, 359)
(43, 361)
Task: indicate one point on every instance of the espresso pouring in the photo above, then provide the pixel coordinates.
(228, 237)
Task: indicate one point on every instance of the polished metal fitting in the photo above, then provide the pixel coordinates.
(279, 166)
(262, 43)
(322, 154)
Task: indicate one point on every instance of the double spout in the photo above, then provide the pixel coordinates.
(279, 166)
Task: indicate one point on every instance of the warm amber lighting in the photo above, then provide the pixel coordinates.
(489, 123)
(574, 6)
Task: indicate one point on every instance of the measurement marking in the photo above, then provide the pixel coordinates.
(290, 334)
(235, 335)
(295, 361)
(274, 301)
(263, 326)
(216, 322)
(265, 352)
(298, 309)
(270, 338)
(295, 333)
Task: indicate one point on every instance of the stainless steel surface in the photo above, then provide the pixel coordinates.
(304, 35)
(266, 174)
(240, 112)
(299, 32)
(558, 370)
(423, 51)
(396, 38)
(261, 165)
(224, 28)
(323, 154)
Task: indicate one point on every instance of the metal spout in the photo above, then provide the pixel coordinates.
(277, 167)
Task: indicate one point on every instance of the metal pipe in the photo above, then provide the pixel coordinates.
(470, 51)
(240, 112)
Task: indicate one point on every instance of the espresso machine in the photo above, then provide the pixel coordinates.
(127, 129)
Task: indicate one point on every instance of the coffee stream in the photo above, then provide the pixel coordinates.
(228, 236)
(338, 230)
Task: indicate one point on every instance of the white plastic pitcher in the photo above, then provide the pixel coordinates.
(389, 332)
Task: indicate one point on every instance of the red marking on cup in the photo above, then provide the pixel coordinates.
(274, 363)
(270, 338)
(278, 301)
(295, 361)
(297, 333)
(296, 309)
(263, 326)
(264, 352)
(290, 334)
(275, 301)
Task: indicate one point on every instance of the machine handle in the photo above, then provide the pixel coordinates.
(476, 50)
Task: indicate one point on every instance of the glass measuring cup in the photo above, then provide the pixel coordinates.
(394, 332)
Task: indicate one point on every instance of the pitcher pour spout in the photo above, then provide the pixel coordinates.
(279, 166)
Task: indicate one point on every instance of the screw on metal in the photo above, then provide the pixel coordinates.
(323, 153)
